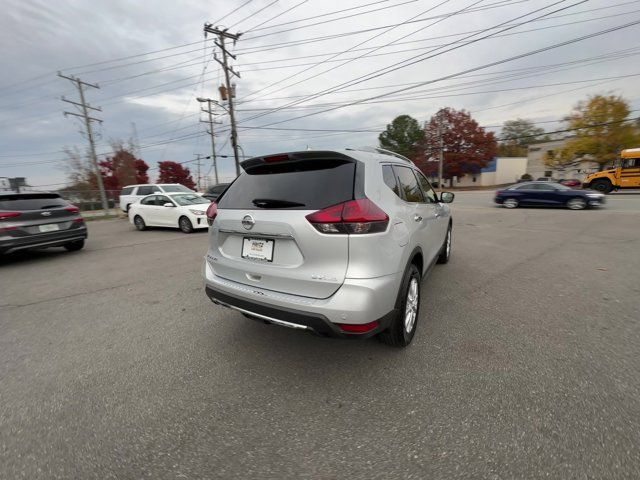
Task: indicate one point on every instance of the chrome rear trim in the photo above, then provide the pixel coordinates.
(282, 323)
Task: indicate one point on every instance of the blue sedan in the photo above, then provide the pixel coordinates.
(547, 194)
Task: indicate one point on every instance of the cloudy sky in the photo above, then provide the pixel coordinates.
(311, 71)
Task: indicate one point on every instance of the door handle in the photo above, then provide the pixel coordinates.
(417, 218)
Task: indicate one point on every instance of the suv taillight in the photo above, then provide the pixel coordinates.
(72, 209)
(212, 212)
(353, 217)
(5, 215)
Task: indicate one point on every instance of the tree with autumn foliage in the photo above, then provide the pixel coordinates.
(173, 172)
(467, 146)
(602, 128)
(122, 168)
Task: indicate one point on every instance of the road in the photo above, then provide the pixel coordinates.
(114, 364)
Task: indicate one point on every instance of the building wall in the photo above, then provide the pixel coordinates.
(505, 170)
(536, 155)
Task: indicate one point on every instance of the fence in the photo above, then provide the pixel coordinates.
(87, 200)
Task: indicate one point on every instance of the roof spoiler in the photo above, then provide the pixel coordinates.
(294, 157)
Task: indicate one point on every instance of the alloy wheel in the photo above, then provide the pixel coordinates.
(411, 308)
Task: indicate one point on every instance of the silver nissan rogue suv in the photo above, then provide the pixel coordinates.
(335, 242)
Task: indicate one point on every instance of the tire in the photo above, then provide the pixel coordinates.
(510, 203)
(445, 250)
(74, 246)
(185, 225)
(403, 326)
(128, 207)
(139, 223)
(576, 203)
(601, 185)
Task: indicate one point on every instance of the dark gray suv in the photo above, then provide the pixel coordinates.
(39, 220)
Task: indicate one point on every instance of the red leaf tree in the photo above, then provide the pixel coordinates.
(172, 172)
(122, 168)
(467, 146)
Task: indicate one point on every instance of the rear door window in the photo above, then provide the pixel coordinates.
(409, 184)
(303, 185)
(147, 190)
(31, 202)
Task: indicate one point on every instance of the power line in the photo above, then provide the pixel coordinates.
(474, 69)
(345, 51)
(276, 16)
(253, 14)
(412, 60)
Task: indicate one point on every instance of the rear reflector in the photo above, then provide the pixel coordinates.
(362, 328)
(212, 212)
(5, 215)
(353, 217)
(79, 220)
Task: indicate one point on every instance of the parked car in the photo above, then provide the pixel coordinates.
(186, 211)
(547, 194)
(333, 242)
(133, 193)
(545, 179)
(571, 182)
(39, 220)
(215, 191)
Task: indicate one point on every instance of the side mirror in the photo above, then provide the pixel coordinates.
(169, 204)
(447, 197)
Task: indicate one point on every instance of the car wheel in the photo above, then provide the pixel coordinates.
(128, 207)
(603, 186)
(403, 326)
(74, 246)
(185, 225)
(445, 250)
(139, 223)
(510, 203)
(577, 203)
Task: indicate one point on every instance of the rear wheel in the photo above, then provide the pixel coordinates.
(403, 326)
(74, 246)
(139, 223)
(577, 203)
(185, 225)
(510, 203)
(603, 185)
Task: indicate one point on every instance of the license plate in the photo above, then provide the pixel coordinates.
(257, 249)
(52, 227)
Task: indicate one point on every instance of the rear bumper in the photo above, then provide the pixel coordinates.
(43, 240)
(357, 301)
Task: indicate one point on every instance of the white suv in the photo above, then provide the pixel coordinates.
(335, 242)
(133, 193)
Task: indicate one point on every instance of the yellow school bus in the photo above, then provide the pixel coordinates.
(625, 173)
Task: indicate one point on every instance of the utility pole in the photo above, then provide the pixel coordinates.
(84, 109)
(222, 35)
(441, 149)
(208, 101)
(198, 178)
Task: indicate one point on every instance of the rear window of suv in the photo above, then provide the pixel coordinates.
(304, 185)
(31, 202)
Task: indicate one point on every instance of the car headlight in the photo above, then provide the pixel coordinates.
(197, 212)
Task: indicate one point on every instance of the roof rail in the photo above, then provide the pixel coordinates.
(382, 151)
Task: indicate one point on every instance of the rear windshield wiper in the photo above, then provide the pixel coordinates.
(274, 203)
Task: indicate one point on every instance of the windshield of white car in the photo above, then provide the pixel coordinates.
(189, 199)
(176, 188)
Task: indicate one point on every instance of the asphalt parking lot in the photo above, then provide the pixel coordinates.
(114, 364)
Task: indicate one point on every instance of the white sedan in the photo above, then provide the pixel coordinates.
(186, 211)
